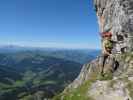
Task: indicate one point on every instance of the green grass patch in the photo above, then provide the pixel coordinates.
(106, 76)
(130, 89)
(79, 93)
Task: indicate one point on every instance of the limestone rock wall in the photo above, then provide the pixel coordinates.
(116, 16)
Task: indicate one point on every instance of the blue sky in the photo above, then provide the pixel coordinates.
(49, 23)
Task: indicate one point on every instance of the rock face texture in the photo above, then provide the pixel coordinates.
(114, 16)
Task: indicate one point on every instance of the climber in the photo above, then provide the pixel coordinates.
(107, 46)
(107, 43)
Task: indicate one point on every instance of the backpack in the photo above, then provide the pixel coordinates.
(109, 44)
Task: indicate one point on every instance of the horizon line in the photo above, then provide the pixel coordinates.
(54, 47)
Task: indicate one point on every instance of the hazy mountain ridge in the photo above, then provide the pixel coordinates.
(68, 54)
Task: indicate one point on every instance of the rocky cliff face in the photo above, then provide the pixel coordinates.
(114, 16)
(89, 85)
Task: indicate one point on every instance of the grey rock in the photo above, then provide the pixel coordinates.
(118, 88)
(117, 17)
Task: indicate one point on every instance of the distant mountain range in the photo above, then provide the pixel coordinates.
(78, 55)
(29, 72)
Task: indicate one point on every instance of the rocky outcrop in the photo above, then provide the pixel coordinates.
(114, 16)
(118, 87)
